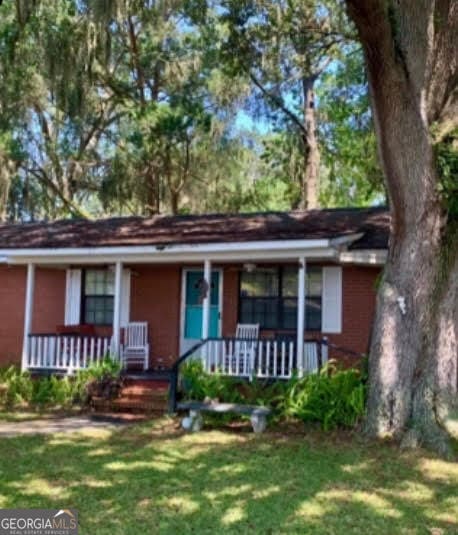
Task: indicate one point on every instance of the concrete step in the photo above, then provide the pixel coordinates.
(129, 404)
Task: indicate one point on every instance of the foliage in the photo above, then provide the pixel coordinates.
(334, 398)
(135, 107)
(200, 385)
(17, 387)
(351, 174)
(447, 160)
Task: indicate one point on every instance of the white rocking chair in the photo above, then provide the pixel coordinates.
(245, 345)
(135, 349)
(247, 330)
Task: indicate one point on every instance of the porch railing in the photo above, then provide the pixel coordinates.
(260, 358)
(66, 352)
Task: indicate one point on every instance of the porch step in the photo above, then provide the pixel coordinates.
(130, 404)
(140, 396)
(143, 391)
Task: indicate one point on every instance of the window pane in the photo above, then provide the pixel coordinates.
(289, 282)
(260, 283)
(99, 317)
(289, 313)
(246, 311)
(109, 281)
(99, 282)
(313, 314)
(98, 310)
(314, 282)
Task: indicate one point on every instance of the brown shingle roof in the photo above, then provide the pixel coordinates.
(194, 229)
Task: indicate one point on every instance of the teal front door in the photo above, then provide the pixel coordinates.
(193, 295)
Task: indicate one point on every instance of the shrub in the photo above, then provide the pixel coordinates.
(18, 387)
(99, 380)
(332, 397)
(199, 385)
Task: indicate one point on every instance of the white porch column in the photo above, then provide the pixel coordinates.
(207, 300)
(28, 313)
(117, 308)
(301, 276)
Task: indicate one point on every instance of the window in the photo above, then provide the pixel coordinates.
(98, 297)
(269, 297)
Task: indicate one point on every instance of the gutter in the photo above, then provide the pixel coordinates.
(226, 252)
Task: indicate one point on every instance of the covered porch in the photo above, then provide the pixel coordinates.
(186, 310)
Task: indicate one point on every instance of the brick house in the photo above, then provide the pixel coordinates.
(70, 290)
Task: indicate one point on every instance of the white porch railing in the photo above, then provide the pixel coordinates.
(66, 352)
(261, 358)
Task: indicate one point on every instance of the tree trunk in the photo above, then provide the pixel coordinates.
(310, 178)
(410, 49)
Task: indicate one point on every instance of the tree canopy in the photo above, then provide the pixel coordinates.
(144, 107)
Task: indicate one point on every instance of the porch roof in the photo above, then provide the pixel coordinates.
(371, 225)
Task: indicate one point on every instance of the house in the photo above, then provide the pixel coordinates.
(69, 289)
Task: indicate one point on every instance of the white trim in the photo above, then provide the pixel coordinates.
(207, 299)
(171, 249)
(117, 308)
(324, 248)
(125, 297)
(28, 313)
(73, 296)
(301, 278)
(331, 312)
(348, 239)
(371, 257)
(184, 271)
(95, 258)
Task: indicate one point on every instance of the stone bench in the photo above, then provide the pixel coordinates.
(194, 421)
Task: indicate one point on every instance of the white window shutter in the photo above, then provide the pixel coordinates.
(73, 297)
(125, 297)
(331, 319)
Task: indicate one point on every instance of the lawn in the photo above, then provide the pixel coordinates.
(151, 478)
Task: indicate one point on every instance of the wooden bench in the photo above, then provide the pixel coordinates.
(194, 421)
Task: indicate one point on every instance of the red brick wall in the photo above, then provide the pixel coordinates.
(12, 298)
(155, 298)
(48, 310)
(49, 300)
(359, 293)
(230, 299)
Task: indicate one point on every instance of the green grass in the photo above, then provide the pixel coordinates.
(151, 478)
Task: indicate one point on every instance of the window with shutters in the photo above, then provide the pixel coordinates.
(98, 297)
(269, 297)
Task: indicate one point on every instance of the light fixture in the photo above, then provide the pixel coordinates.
(249, 267)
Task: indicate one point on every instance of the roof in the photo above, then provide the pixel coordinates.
(163, 230)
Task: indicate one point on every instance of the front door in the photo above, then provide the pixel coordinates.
(192, 310)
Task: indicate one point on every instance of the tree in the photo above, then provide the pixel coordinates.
(351, 174)
(411, 50)
(284, 47)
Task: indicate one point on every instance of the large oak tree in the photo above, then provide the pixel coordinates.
(411, 53)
